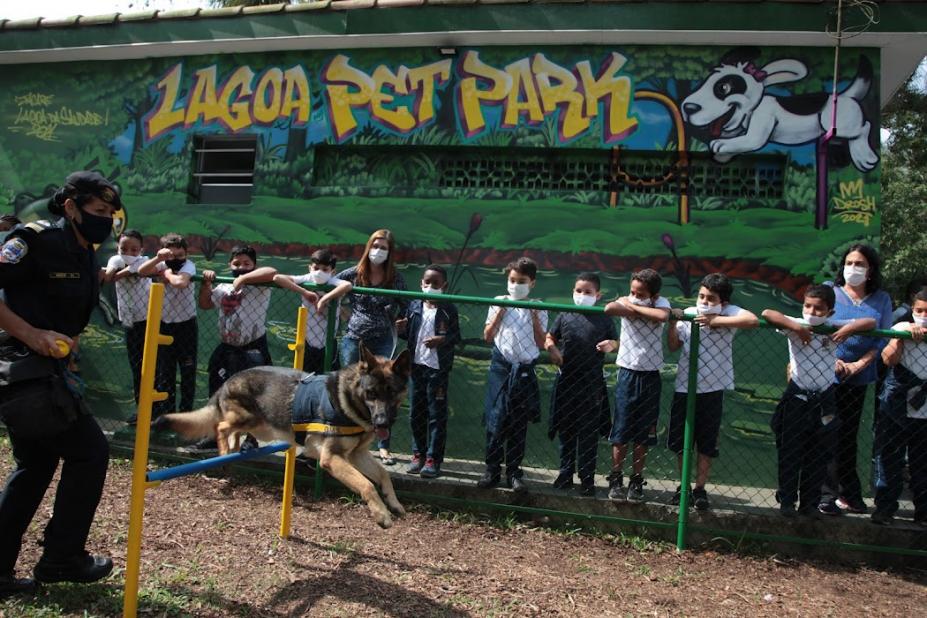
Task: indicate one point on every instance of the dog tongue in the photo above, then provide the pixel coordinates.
(382, 433)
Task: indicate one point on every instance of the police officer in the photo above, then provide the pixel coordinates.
(50, 276)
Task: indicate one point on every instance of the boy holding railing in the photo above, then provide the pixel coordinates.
(717, 320)
(901, 424)
(804, 419)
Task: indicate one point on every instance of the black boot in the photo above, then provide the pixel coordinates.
(82, 568)
(10, 585)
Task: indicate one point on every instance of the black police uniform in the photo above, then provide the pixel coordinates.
(51, 282)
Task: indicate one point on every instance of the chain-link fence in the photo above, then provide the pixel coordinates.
(541, 398)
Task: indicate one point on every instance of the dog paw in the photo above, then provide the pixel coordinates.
(384, 521)
(397, 509)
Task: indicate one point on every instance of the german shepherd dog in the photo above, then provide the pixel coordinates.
(260, 401)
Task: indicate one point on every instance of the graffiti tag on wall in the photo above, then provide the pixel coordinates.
(35, 117)
(403, 99)
(853, 205)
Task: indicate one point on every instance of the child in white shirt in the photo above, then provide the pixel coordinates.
(131, 297)
(803, 419)
(512, 392)
(718, 320)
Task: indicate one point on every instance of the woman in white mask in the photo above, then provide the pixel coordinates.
(857, 287)
(373, 317)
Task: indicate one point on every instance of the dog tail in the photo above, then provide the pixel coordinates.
(191, 425)
(860, 86)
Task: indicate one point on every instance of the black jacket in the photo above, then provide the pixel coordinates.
(446, 324)
(48, 279)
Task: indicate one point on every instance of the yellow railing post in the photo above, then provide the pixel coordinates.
(146, 396)
(289, 470)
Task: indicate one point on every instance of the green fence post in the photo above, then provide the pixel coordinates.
(686, 472)
(327, 366)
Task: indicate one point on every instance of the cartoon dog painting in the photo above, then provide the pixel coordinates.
(739, 113)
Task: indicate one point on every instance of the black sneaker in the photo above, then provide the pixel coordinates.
(488, 480)
(616, 486)
(700, 499)
(587, 489)
(677, 496)
(881, 518)
(852, 505)
(517, 484)
(11, 585)
(829, 508)
(787, 510)
(81, 568)
(636, 488)
(205, 446)
(810, 511)
(564, 480)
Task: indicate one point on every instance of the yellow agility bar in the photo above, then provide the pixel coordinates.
(146, 396)
(289, 469)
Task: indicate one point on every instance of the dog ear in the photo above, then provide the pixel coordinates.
(364, 355)
(783, 71)
(403, 364)
(740, 55)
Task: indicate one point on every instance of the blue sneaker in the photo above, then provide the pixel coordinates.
(431, 469)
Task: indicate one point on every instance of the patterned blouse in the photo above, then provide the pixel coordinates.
(372, 316)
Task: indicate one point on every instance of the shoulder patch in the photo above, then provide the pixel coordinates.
(13, 251)
(38, 226)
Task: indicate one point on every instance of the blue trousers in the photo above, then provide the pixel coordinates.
(428, 411)
(892, 437)
(512, 401)
(381, 346)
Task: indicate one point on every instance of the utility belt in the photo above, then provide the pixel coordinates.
(38, 396)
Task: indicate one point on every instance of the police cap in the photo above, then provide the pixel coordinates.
(93, 183)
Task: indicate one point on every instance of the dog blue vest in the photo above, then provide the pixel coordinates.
(313, 408)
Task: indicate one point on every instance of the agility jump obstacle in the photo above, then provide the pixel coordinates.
(143, 480)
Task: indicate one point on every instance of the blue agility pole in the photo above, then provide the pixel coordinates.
(213, 462)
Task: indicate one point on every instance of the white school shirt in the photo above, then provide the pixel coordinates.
(812, 365)
(715, 355)
(131, 292)
(914, 359)
(640, 344)
(515, 335)
(423, 354)
(317, 323)
(179, 303)
(242, 315)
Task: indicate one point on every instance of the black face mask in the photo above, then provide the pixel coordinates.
(175, 265)
(238, 272)
(94, 228)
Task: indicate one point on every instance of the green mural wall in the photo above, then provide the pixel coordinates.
(683, 158)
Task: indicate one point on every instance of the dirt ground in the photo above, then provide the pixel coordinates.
(211, 549)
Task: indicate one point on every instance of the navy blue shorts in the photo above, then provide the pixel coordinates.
(708, 408)
(637, 407)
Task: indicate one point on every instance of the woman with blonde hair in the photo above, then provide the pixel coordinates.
(373, 316)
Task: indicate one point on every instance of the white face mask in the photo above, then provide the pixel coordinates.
(708, 309)
(378, 256)
(855, 275)
(814, 320)
(519, 291)
(130, 259)
(640, 302)
(319, 277)
(427, 289)
(920, 321)
(583, 300)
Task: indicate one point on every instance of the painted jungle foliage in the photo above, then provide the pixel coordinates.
(686, 159)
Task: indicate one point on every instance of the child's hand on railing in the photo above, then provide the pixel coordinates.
(844, 333)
